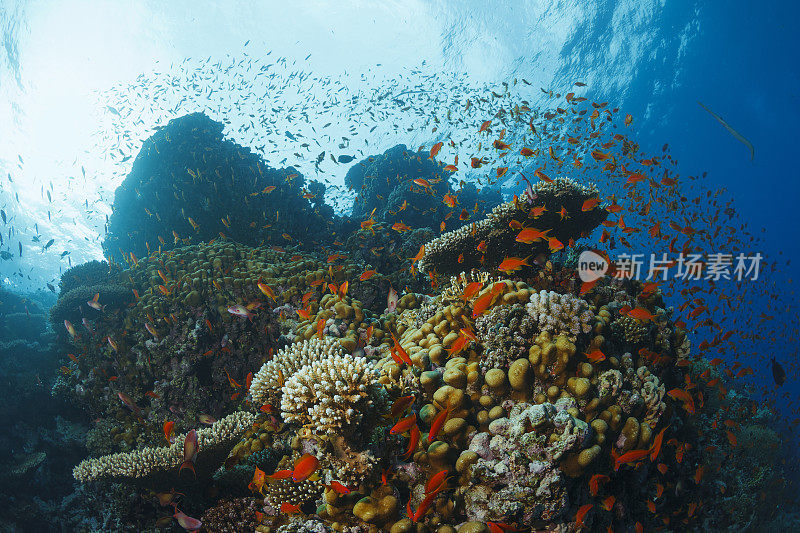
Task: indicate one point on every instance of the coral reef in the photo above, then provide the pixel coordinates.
(173, 195)
(499, 236)
(144, 461)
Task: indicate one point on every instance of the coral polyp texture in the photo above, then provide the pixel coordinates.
(330, 394)
(144, 461)
(267, 382)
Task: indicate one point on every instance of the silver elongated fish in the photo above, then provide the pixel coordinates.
(732, 131)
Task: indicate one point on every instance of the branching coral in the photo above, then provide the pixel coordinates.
(267, 383)
(329, 394)
(560, 313)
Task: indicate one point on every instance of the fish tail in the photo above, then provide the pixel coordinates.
(190, 466)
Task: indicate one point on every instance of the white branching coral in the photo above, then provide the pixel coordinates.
(140, 463)
(560, 313)
(328, 394)
(266, 385)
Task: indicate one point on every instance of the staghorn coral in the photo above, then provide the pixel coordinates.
(560, 313)
(267, 382)
(329, 394)
(144, 461)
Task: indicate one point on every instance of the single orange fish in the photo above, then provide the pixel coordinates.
(630, 457)
(367, 274)
(281, 474)
(266, 290)
(259, 478)
(436, 481)
(482, 304)
(404, 424)
(512, 264)
(530, 235)
(641, 314)
(304, 467)
(581, 514)
(594, 483)
(655, 449)
(400, 405)
(412, 442)
(437, 424)
(590, 204)
(554, 244)
(596, 356)
(608, 503)
(339, 488)
(169, 431)
(290, 508)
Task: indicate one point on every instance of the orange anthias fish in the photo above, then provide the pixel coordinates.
(304, 467)
(422, 183)
(581, 514)
(554, 244)
(367, 274)
(630, 457)
(290, 508)
(471, 290)
(404, 424)
(590, 204)
(266, 290)
(339, 488)
(449, 200)
(400, 227)
(641, 314)
(400, 405)
(281, 474)
(190, 448)
(594, 483)
(401, 351)
(655, 449)
(437, 424)
(596, 356)
(412, 442)
(482, 304)
(169, 431)
(512, 264)
(685, 397)
(259, 478)
(530, 235)
(435, 149)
